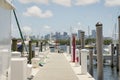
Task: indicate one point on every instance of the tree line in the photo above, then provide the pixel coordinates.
(87, 41)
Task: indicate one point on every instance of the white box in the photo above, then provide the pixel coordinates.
(37, 51)
(16, 54)
(18, 69)
(29, 70)
(84, 53)
(35, 62)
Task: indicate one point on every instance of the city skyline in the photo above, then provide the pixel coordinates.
(40, 17)
(65, 35)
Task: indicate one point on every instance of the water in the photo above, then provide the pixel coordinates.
(109, 73)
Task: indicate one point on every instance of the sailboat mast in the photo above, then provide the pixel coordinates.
(88, 32)
(20, 30)
(70, 40)
(115, 33)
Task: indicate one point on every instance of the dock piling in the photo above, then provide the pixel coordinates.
(14, 44)
(30, 51)
(74, 47)
(91, 61)
(99, 43)
(84, 53)
(112, 55)
(41, 46)
(117, 63)
(82, 39)
(37, 43)
(82, 34)
(119, 40)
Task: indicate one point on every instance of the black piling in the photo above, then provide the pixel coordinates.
(117, 62)
(30, 52)
(112, 55)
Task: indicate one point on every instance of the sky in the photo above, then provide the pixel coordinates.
(40, 17)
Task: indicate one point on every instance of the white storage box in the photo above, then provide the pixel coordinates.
(16, 54)
(35, 62)
(29, 70)
(37, 51)
(18, 69)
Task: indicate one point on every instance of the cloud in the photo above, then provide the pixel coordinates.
(37, 12)
(75, 29)
(34, 1)
(67, 3)
(47, 27)
(79, 23)
(14, 31)
(27, 30)
(85, 2)
(112, 2)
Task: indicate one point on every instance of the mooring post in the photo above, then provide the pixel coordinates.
(112, 55)
(82, 34)
(22, 51)
(117, 63)
(90, 47)
(37, 43)
(33, 54)
(74, 47)
(91, 61)
(99, 43)
(14, 44)
(41, 46)
(119, 40)
(84, 53)
(30, 51)
(82, 39)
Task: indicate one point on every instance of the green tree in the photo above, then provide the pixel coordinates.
(78, 42)
(90, 40)
(64, 42)
(107, 41)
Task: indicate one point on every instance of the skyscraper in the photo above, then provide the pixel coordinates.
(79, 32)
(93, 34)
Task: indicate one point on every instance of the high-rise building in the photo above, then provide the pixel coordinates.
(93, 34)
(47, 36)
(65, 34)
(57, 35)
(79, 32)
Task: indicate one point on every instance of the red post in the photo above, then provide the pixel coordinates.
(74, 46)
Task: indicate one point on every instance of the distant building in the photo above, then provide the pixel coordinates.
(57, 36)
(79, 32)
(32, 37)
(47, 36)
(93, 35)
(65, 34)
(75, 34)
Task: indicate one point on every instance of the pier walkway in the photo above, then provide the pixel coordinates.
(58, 67)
